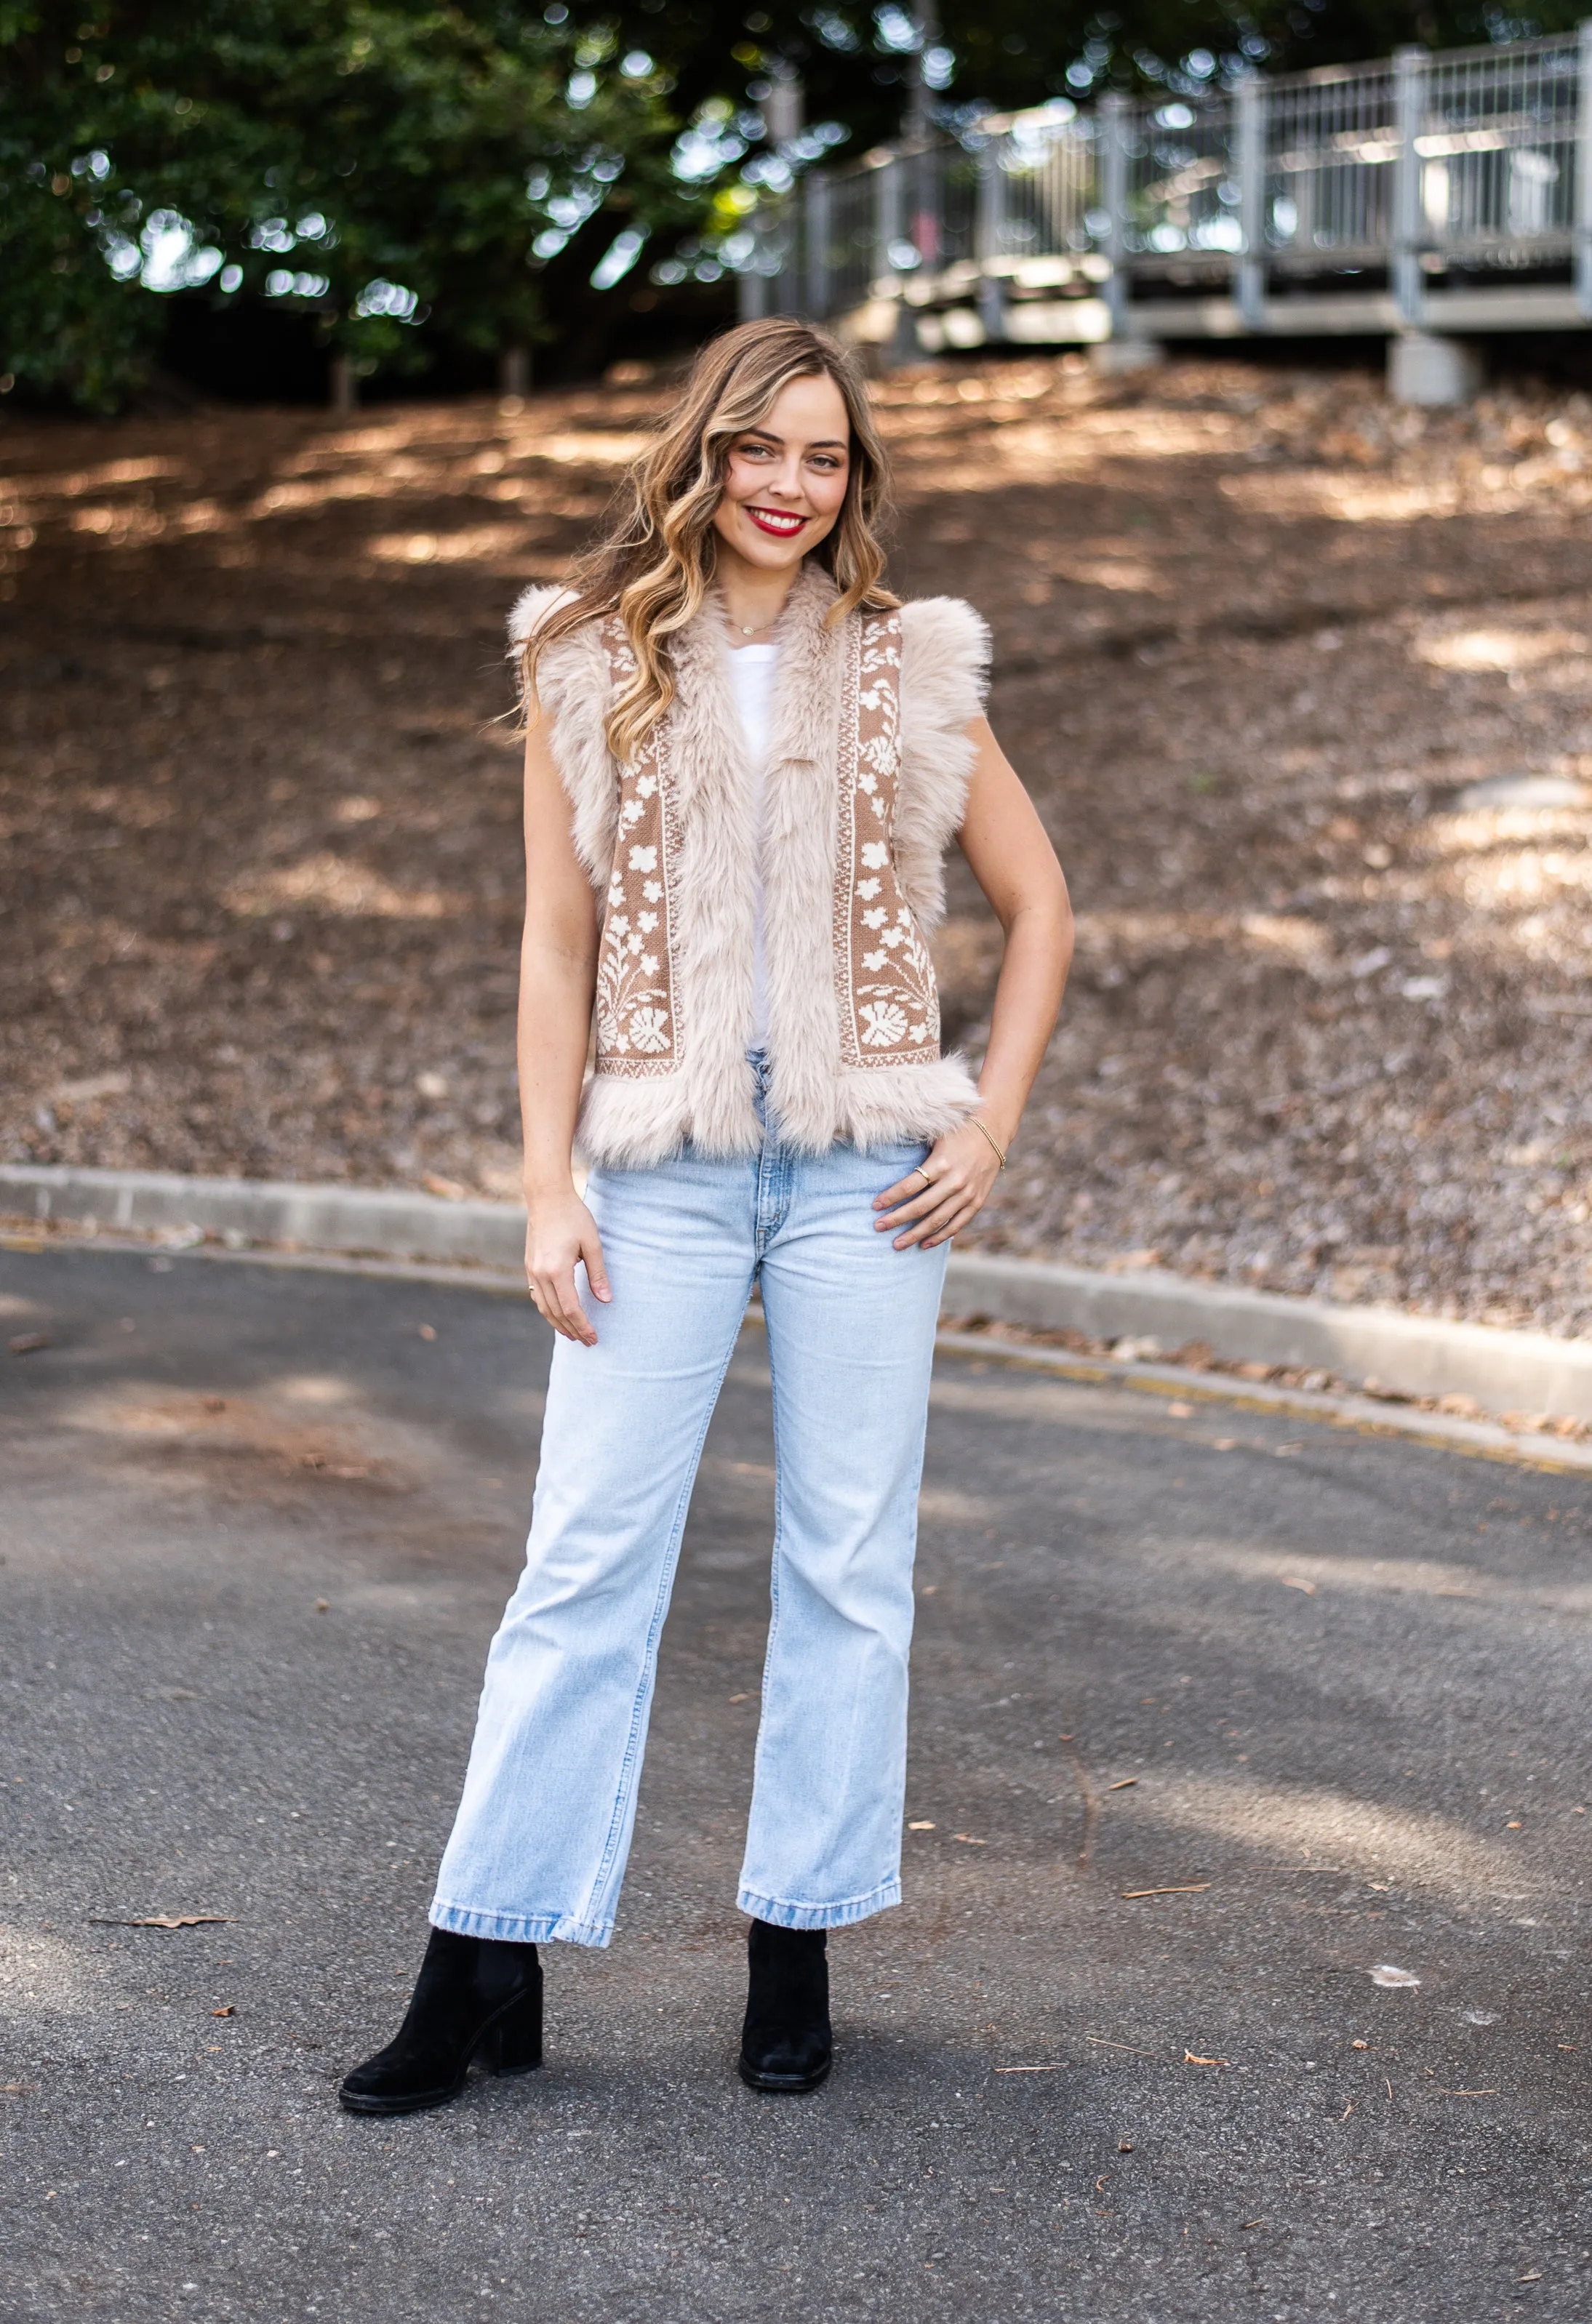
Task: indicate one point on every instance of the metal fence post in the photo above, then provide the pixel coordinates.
(784, 286)
(889, 223)
(991, 288)
(886, 217)
(1251, 156)
(928, 226)
(816, 200)
(1409, 113)
(1584, 172)
(751, 285)
(1114, 188)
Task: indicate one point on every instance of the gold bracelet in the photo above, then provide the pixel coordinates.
(978, 1125)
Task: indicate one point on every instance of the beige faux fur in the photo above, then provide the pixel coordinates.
(707, 1096)
(944, 678)
(572, 691)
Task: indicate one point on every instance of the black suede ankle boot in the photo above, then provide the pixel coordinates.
(474, 1998)
(786, 2043)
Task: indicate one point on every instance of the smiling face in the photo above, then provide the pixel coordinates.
(785, 483)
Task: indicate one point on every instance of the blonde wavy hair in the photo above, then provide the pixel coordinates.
(654, 568)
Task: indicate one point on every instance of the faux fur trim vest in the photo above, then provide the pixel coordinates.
(865, 783)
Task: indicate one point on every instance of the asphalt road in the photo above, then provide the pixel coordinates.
(1322, 1694)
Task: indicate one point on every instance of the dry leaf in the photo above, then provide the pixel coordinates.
(919, 1827)
(1190, 2059)
(1359, 2045)
(228, 2012)
(1308, 1587)
(17, 2089)
(967, 1840)
(1192, 1888)
(162, 1921)
(1384, 1973)
(1126, 1783)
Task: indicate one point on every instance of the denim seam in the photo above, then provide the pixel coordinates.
(834, 1916)
(659, 1609)
(761, 1233)
(519, 1928)
(773, 1570)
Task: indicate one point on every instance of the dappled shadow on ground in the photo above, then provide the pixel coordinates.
(1258, 637)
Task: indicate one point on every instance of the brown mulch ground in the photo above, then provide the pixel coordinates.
(1256, 632)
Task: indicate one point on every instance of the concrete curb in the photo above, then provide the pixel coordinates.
(243, 1211)
(1414, 1355)
(1219, 1390)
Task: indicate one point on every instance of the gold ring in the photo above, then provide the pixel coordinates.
(920, 1173)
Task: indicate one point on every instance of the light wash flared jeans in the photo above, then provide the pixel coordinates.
(539, 1847)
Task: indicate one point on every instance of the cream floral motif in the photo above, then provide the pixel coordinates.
(637, 1028)
(889, 1007)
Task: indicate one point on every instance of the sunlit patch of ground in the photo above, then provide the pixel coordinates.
(1295, 1825)
(1259, 637)
(45, 1978)
(306, 1426)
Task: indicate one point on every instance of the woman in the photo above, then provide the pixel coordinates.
(755, 755)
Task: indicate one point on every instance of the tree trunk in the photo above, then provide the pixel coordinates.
(343, 388)
(513, 374)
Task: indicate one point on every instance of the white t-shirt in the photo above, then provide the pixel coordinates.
(751, 674)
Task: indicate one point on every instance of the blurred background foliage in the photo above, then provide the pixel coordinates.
(208, 186)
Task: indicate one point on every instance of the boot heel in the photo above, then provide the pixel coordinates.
(516, 2039)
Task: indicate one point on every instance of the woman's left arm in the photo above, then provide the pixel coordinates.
(1014, 863)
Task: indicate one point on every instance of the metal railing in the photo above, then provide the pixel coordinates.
(1456, 183)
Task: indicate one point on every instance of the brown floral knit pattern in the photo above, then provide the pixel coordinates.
(889, 1008)
(636, 1023)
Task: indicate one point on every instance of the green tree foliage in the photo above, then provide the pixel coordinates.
(379, 165)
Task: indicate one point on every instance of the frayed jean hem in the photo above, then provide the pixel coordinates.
(782, 1915)
(521, 1929)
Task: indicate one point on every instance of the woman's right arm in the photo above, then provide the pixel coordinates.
(558, 977)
